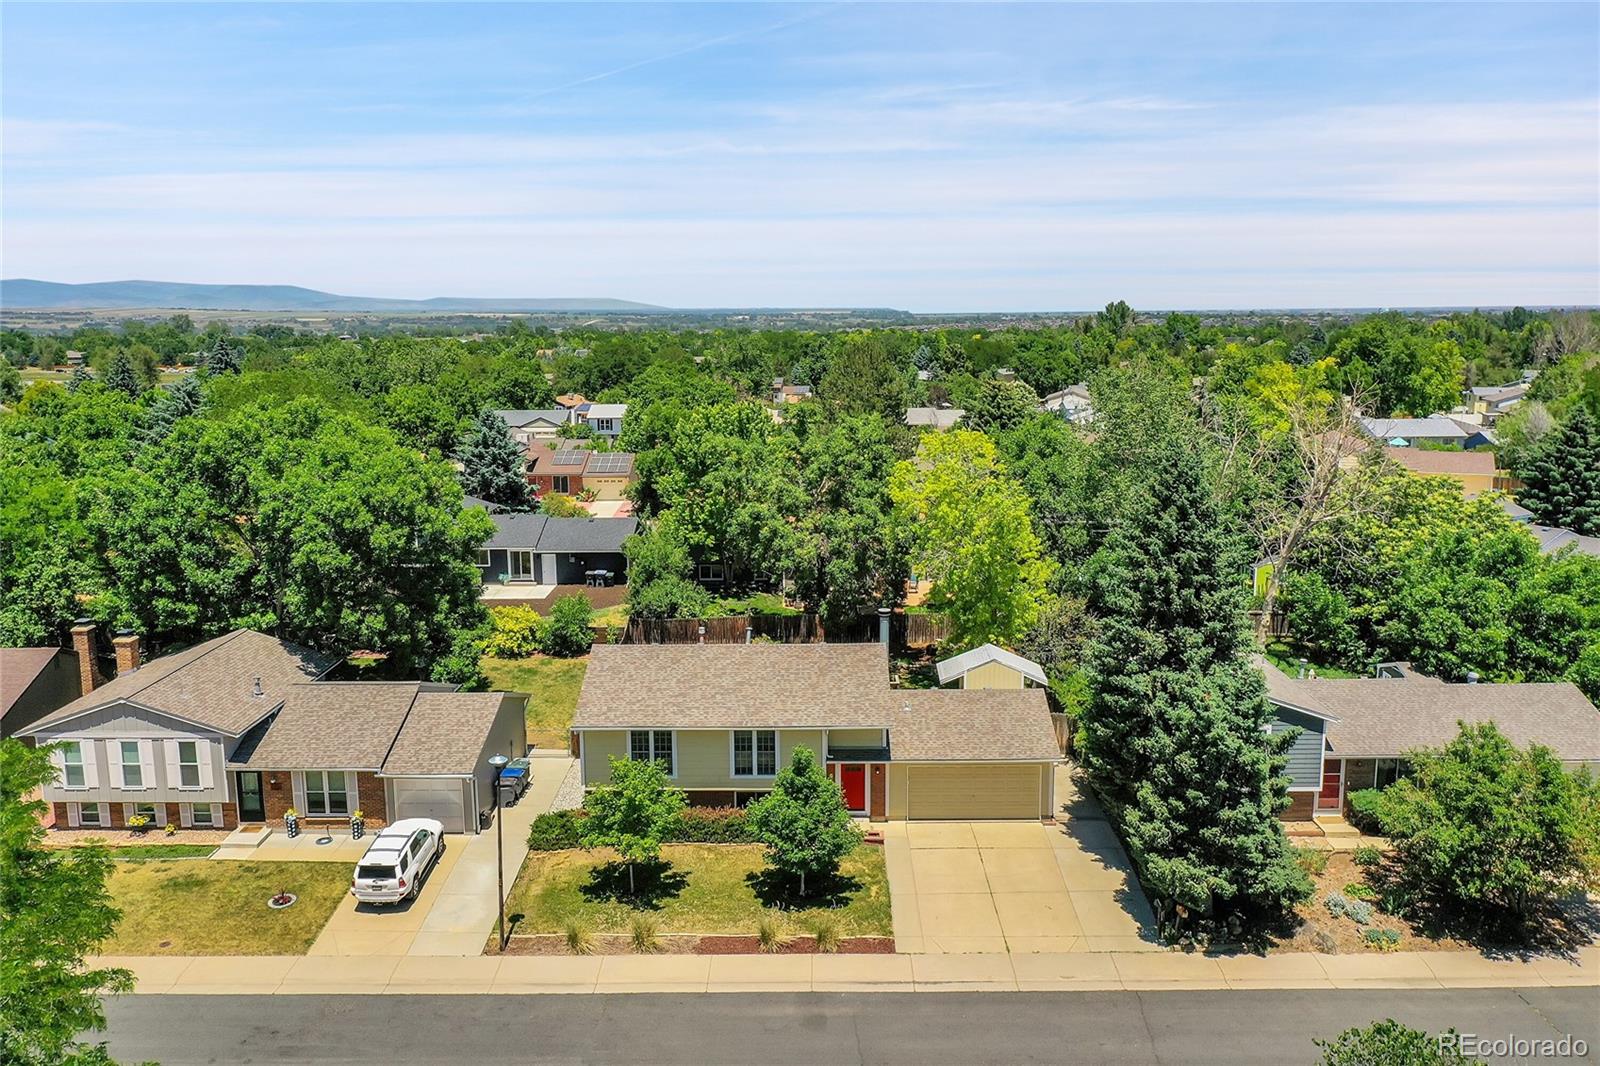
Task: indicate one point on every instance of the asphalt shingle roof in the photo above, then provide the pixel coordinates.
(966, 724)
(1432, 426)
(1391, 716)
(957, 665)
(579, 535)
(337, 725)
(211, 684)
(444, 734)
(18, 668)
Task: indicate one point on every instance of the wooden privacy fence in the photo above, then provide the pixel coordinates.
(915, 631)
(1063, 727)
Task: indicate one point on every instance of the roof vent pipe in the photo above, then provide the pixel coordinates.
(883, 626)
(1302, 672)
(702, 632)
(258, 690)
(1472, 677)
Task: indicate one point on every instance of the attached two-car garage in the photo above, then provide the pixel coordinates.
(970, 791)
(448, 799)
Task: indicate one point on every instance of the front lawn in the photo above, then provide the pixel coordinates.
(552, 685)
(138, 852)
(699, 888)
(212, 907)
(757, 603)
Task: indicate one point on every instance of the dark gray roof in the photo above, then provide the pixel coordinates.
(1391, 716)
(517, 419)
(539, 532)
(211, 684)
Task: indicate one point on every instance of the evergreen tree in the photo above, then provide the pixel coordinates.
(1562, 476)
(180, 401)
(494, 465)
(120, 375)
(80, 376)
(1174, 733)
(223, 357)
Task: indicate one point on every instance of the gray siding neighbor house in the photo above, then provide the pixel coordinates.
(540, 550)
(242, 728)
(1363, 728)
(34, 682)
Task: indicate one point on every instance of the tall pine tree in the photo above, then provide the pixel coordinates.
(1562, 477)
(223, 357)
(120, 375)
(494, 465)
(1174, 733)
(180, 400)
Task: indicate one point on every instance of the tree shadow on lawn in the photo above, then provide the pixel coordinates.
(654, 883)
(777, 889)
(1558, 926)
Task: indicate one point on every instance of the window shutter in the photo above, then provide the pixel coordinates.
(186, 815)
(174, 778)
(352, 792)
(74, 820)
(204, 749)
(127, 812)
(147, 762)
(105, 814)
(297, 781)
(114, 751)
(91, 763)
(161, 816)
(216, 816)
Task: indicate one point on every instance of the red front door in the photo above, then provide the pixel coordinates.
(1332, 778)
(853, 779)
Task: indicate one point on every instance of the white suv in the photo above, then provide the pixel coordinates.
(397, 860)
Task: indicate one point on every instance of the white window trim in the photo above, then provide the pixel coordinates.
(303, 795)
(672, 773)
(703, 572)
(147, 766)
(755, 764)
(85, 760)
(175, 764)
(484, 561)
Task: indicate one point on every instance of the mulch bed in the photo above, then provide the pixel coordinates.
(1320, 931)
(693, 944)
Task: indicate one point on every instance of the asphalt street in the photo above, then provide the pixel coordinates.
(836, 1029)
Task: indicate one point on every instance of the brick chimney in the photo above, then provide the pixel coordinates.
(88, 665)
(127, 644)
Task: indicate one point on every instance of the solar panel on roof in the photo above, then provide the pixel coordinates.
(571, 457)
(609, 463)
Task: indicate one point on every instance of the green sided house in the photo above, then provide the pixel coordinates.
(726, 718)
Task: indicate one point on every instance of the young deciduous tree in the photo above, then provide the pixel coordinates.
(1174, 733)
(971, 535)
(632, 813)
(803, 821)
(54, 911)
(1562, 476)
(567, 631)
(494, 465)
(1489, 829)
(1388, 1043)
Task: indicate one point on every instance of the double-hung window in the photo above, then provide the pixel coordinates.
(72, 772)
(653, 744)
(200, 814)
(89, 814)
(132, 767)
(755, 752)
(325, 794)
(561, 483)
(188, 764)
(1387, 771)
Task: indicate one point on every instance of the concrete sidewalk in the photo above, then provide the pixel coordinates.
(1113, 971)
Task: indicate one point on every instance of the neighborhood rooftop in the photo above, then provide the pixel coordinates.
(1434, 426)
(18, 668)
(578, 535)
(349, 724)
(958, 665)
(1420, 461)
(1371, 717)
(211, 684)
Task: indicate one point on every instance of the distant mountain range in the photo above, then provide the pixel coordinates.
(17, 293)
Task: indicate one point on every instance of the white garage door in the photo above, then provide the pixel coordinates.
(440, 798)
(973, 791)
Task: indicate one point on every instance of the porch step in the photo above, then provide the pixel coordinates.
(1334, 825)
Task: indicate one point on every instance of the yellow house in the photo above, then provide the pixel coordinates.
(989, 666)
(726, 718)
(1473, 471)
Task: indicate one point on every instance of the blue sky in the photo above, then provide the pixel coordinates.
(928, 157)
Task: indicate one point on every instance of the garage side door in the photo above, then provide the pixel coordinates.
(430, 798)
(970, 792)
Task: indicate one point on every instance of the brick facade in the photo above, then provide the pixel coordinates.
(277, 793)
(878, 804)
(1301, 807)
(118, 820)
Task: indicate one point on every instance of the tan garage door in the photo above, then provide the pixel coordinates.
(441, 798)
(974, 791)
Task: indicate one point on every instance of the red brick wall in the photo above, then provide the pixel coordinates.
(230, 817)
(878, 805)
(1301, 807)
(279, 797)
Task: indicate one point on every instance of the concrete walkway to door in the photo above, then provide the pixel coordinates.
(1021, 887)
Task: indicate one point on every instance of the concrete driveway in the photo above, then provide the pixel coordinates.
(964, 887)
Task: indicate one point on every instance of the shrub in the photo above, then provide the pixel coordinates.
(803, 821)
(556, 831)
(567, 633)
(770, 934)
(1392, 1044)
(1367, 855)
(557, 505)
(1312, 860)
(1488, 830)
(711, 825)
(1381, 939)
(580, 938)
(1360, 890)
(645, 932)
(1337, 904)
(1364, 806)
(632, 812)
(514, 632)
(1359, 911)
(826, 929)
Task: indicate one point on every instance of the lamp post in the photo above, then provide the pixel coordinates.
(499, 763)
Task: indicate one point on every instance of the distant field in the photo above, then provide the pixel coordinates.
(30, 374)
